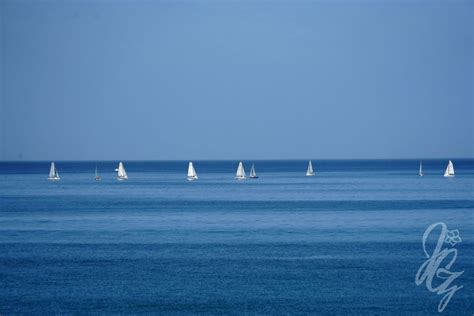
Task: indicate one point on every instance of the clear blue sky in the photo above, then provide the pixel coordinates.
(236, 79)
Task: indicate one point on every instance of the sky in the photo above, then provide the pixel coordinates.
(152, 80)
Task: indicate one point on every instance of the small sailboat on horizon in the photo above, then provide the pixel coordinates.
(121, 173)
(420, 172)
(310, 171)
(192, 175)
(97, 176)
(253, 174)
(240, 174)
(53, 173)
(449, 170)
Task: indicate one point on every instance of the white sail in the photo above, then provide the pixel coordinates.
(97, 176)
(240, 174)
(310, 171)
(121, 173)
(449, 170)
(192, 175)
(420, 172)
(253, 174)
(53, 172)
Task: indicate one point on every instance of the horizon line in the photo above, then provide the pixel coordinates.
(259, 159)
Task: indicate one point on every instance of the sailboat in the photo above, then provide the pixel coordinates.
(420, 172)
(97, 176)
(310, 171)
(253, 174)
(240, 174)
(449, 170)
(121, 173)
(192, 175)
(53, 173)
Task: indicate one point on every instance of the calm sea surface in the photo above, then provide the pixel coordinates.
(346, 241)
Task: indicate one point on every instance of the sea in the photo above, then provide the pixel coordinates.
(347, 241)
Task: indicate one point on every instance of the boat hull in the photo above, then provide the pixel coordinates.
(310, 174)
(122, 178)
(192, 178)
(54, 179)
(240, 178)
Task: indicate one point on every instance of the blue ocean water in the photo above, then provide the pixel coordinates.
(346, 241)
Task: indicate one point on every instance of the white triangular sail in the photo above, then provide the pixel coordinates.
(253, 174)
(97, 176)
(449, 170)
(310, 171)
(420, 172)
(121, 173)
(53, 172)
(240, 174)
(192, 175)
